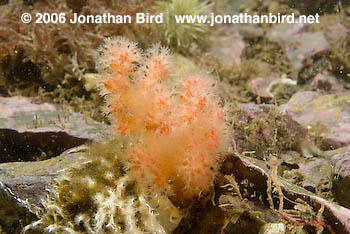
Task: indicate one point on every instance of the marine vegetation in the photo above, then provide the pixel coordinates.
(180, 35)
(51, 61)
(169, 137)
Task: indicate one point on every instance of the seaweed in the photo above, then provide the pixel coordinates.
(50, 61)
(319, 6)
(337, 31)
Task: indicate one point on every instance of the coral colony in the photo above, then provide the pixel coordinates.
(170, 131)
(177, 132)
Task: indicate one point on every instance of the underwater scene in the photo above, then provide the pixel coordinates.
(174, 117)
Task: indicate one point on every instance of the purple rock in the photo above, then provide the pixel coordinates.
(329, 111)
(300, 45)
(308, 45)
(286, 33)
(228, 46)
(259, 86)
(341, 178)
(327, 83)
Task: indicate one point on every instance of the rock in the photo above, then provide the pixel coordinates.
(325, 82)
(251, 31)
(312, 109)
(23, 185)
(10, 105)
(228, 46)
(341, 179)
(30, 181)
(14, 213)
(33, 146)
(211, 221)
(231, 213)
(308, 46)
(259, 86)
(20, 114)
(244, 221)
(31, 131)
(269, 87)
(315, 172)
(286, 33)
(300, 45)
(264, 130)
(256, 173)
(291, 157)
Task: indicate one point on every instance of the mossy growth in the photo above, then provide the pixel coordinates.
(49, 61)
(233, 82)
(318, 6)
(238, 78)
(261, 59)
(340, 55)
(336, 28)
(265, 132)
(98, 196)
(256, 7)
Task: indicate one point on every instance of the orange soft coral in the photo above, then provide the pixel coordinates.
(178, 131)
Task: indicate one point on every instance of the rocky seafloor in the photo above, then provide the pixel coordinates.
(287, 87)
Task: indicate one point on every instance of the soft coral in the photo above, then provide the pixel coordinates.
(178, 130)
